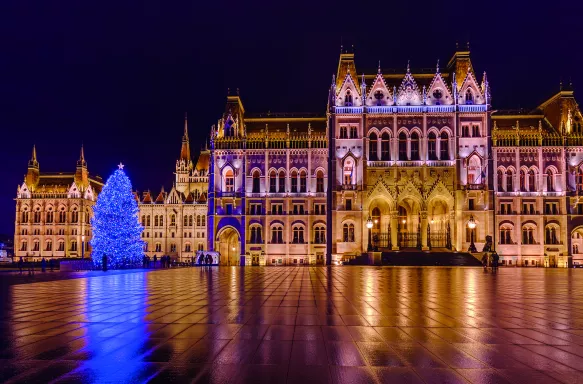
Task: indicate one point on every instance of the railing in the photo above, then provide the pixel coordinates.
(347, 110)
(348, 187)
(473, 108)
(379, 164)
(410, 163)
(440, 163)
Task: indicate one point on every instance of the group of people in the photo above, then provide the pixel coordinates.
(491, 260)
(203, 259)
(30, 265)
(165, 261)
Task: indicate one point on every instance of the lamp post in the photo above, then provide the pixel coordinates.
(369, 226)
(83, 247)
(472, 226)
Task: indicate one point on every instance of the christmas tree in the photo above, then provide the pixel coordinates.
(115, 224)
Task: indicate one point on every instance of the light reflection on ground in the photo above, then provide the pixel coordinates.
(296, 324)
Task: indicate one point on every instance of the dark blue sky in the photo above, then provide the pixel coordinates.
(118, 76)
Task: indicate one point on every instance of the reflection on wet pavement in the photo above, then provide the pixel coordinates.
(296, 324)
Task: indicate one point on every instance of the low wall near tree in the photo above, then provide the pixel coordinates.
(76, 265)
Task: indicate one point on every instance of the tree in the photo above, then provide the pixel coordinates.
(115, 224)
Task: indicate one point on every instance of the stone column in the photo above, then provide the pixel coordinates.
(424, 224)
(394, 230)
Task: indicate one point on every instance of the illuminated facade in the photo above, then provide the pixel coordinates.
(53, 212)
(412, 152)
(538, 157)
(175, 222)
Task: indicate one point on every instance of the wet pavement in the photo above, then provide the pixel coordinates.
(296, 324)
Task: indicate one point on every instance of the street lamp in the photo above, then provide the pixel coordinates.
(369, 226)
(83, 247)
(472, 226)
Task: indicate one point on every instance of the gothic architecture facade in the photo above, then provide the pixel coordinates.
(175, 222)
(53, 212)
(419, 156)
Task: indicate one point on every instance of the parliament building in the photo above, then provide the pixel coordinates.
(419, 156)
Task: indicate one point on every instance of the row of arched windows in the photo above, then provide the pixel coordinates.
(277, 181)
(409, 146)
(528, 178)
(529, 234)
(188, 220)
(49, 216)
(297, 234)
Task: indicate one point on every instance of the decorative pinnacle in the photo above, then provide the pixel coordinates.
(408, 67)
(379, 68)
(437, 67)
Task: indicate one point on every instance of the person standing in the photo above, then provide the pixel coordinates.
(20, 263)
(43, 265)
(495, 259)
(104, 263)
(485, 261)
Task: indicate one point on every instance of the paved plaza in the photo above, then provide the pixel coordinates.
(296, 324)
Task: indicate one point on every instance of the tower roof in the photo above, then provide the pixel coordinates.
(33, 163)
(185, 150)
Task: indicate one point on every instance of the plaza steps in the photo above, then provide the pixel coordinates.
(414, 257)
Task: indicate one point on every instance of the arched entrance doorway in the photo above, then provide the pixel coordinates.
(229, 246)
(437, 216)
(409, 235)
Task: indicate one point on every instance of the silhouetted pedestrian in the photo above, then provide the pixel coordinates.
(104, 263)
(485, 262)
(43, 265)
(155, 260)
(495, 259)
(51, 264)
(20, 264)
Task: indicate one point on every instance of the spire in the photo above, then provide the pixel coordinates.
(185, 150)
(379, 68)
(437, 67)
(33, 163)
(408, 66)
(81, 162)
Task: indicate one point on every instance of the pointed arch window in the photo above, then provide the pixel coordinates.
(499, 180)
(281, 186)
(272, 182)
(198, 220)
(469, 97)
(432, 146)
(444, 146)
(509, 180)
(550, 181)
(185, 221)
(294, 182)
(190, 221)
(172, 219)
(414, 146)
(522, 180)
(320, 181)
(343, 132)
(62, 216)
(372, 146)
(229, 181)
(256, 182)
(531, 181)
(348, 171)
(385, 147)
(348, 98)
(303, 182)
(36, 216)
(402, 146)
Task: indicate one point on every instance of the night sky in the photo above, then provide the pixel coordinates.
(118, 76)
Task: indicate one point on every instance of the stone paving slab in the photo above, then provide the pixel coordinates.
(296, 324)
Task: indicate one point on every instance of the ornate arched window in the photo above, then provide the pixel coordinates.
(272, 182)
(319, 234)
(551, 233)
(522, 180)
(277, 234)
(505, 234)
(172, 219)
(402, 146)
(256, 182)
(509, 180)
(185, 221)
(348, 170)
(320, 181)
(432, 146)
(229, 181)
(50, 216)
(298, 235)
(469, 97)
(531, 181)
(528, 234)
(256, 235)
(303, 181)
(348, 233)
(414, 146)
(550, 181)
(190, 221)
(294, 181)
(444, 146)
(385, 147)
(372, 146)
(281, 187)
(348, 98)
(499, 180)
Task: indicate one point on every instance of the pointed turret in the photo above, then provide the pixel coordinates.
(33, 172)
(185, 150)
(81, 173)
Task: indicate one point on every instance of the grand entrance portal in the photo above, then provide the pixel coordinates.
(229, 246)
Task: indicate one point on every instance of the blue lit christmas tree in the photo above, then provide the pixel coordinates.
(115, 224)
